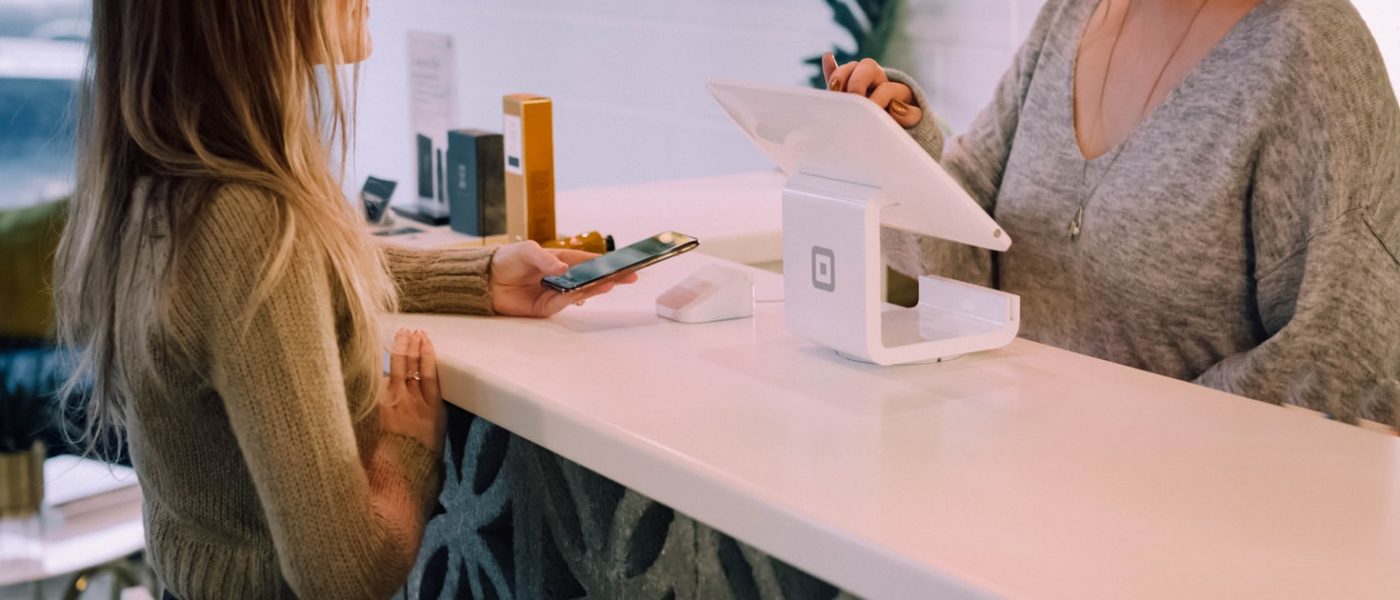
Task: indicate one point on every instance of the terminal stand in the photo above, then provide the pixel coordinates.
(832, 285)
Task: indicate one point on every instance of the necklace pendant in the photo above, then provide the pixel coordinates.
(1076, 225)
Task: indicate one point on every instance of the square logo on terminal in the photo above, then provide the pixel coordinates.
(823, 269)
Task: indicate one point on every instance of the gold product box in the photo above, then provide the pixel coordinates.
(529, 164)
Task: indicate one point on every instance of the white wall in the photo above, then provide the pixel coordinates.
(628, 76)
(1384, 18)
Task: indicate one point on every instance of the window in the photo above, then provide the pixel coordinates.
(42, 47)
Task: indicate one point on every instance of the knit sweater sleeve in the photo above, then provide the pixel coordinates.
(976, 159)
(341, 528)
(442, 281)
(1325, 226)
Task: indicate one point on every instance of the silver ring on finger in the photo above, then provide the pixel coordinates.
(415, 375)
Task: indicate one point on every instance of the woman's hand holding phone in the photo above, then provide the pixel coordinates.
(867, 78)
(516, 272)
(411, 403)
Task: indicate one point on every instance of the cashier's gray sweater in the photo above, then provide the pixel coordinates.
(1248, 236)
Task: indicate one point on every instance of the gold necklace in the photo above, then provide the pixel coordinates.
(1076, 224)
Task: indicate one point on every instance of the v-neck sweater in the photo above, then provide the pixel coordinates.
(1246, 235)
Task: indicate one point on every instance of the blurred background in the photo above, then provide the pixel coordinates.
(627, 76)
(42, 46)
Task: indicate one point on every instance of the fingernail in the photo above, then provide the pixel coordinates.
(835, 84)
(899, 109)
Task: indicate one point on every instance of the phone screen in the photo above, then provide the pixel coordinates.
(646, 252)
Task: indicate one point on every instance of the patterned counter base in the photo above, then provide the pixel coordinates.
(516, 521)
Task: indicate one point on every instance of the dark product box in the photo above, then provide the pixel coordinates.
(476, 190)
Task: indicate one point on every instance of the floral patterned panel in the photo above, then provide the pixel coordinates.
(515, 521)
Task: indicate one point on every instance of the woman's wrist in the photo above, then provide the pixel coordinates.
(456, 281)
(927, 132)
(418, 466)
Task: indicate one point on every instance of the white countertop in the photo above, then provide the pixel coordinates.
(735, 217)
(1027, 472)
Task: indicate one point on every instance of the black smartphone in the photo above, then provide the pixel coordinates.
(624, 260)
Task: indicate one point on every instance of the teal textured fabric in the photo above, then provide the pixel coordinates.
(515, 521)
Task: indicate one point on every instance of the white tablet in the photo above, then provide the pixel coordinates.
(847, 138)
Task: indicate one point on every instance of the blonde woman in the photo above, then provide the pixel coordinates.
(1206, 189)
(224, 300)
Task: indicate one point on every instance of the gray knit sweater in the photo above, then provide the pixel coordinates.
(1247, 238)
(259, 479)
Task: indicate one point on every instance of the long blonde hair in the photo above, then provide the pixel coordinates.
(191, 96)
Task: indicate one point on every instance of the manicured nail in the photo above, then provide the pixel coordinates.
(899, 109)
(835, 84)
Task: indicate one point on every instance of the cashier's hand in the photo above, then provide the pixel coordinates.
(516, 272)
(867, 78)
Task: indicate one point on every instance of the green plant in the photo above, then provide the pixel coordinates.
(872, 37)
(24, 415)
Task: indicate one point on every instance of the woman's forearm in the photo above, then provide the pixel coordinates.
(454, 281)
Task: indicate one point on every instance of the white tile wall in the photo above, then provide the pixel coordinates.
(628, 76)
(959, 49)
